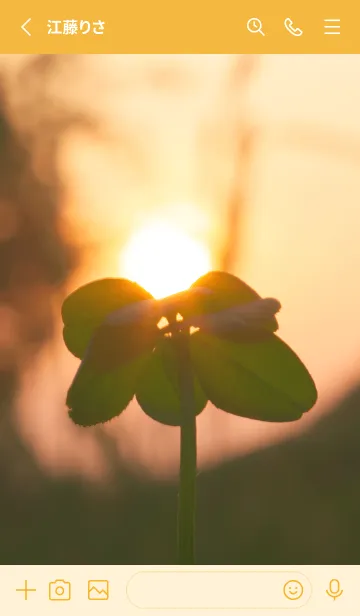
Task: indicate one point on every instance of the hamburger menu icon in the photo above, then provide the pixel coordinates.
(98, 590)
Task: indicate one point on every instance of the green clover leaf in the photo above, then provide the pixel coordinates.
(158, 392)
(85, 309)
(225, 291)
(264, 380)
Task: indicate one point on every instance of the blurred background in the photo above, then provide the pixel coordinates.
(160, 168)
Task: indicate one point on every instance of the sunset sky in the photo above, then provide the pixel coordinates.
(299, 236)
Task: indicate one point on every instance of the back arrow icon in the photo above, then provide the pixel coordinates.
(25, 24)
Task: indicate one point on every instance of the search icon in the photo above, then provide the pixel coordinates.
(254, 25)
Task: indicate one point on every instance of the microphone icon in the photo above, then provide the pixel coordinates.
(334, 589)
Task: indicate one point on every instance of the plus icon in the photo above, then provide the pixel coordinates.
(26, 590)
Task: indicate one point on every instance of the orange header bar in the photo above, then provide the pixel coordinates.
(189, 26)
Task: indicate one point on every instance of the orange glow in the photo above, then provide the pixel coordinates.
(164, 259)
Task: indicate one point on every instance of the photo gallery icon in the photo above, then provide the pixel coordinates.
(98, 590)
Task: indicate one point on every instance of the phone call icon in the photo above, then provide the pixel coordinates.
(288, 23)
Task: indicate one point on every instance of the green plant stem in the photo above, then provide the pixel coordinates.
(188, 455)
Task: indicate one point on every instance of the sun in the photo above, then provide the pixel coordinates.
(163, 259)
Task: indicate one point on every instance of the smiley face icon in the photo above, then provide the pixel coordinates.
(293, 589)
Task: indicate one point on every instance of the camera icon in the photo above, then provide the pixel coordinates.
(59, 590)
